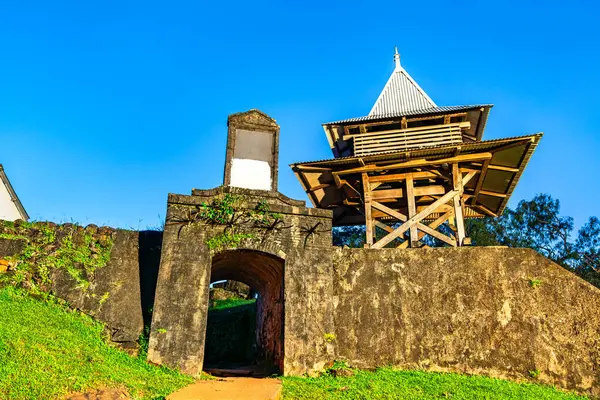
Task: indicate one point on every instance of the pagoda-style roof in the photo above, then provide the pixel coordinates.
(498, 165)
(410, 167)
(404, 117)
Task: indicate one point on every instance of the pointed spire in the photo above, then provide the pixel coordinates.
(397, 58)
(401, 94)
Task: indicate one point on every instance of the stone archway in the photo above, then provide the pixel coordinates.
(264, 273)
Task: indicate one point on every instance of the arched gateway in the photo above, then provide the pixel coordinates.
(264, 273)
(251, 234)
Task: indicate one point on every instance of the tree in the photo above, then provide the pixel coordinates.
(588, 250)
(350, 236)
(537, 224)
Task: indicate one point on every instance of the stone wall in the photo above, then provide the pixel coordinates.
(497, 311)
(121, 293)
(501, 312)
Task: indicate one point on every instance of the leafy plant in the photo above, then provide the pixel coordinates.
(221, 210)
(329, 337)
(230, 211)
(534, 283)
(535, 373)
(143, 342)
(227, 239)
(262, 214)
(76, 250)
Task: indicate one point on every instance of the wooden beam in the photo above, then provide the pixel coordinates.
(442, 208)
(484, 169)
(368, 217)
(412, 209)
(417, 218)
(417, 163)
(383, 226)
(401, 177)
(495, 194)
(399, 193)
(485, 210)
(315, 188)
(498, 167)
(438, 235)
(458, 210)
(338, 181)
(467, 178)
(345, 183)
(311, 168)
(374, 185)
(399, 216)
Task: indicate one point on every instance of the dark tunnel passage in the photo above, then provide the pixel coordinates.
(264, 274)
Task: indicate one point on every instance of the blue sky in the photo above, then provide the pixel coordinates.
(105, 108)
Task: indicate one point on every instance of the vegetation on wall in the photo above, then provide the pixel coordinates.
(47, 247)
(230, 211)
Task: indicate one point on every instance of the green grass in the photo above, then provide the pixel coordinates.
(230, 303)
(47, 351)
(388, 383)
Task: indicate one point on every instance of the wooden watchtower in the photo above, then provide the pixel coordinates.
(410, 166)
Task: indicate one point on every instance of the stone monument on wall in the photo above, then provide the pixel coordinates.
(252, 155)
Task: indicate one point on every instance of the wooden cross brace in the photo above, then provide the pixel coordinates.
(412, 222)
(416, 219)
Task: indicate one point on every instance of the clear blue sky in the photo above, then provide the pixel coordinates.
(105, 108)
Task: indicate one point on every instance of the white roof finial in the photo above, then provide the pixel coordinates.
(397, 58)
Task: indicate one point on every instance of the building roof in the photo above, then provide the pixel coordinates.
(13, 194)
(414, 113)
(510, 156)
(401, 94)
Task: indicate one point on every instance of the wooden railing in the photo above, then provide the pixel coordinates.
(406, 139)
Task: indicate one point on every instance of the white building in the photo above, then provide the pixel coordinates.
(10, 206)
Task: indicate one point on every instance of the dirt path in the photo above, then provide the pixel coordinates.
(231, 389)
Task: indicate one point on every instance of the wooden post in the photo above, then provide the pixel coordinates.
(412, 209)
(458, 211)
(370, 227)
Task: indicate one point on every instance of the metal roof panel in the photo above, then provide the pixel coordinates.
(410, 113)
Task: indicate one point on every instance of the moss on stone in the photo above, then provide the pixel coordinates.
(77, 250)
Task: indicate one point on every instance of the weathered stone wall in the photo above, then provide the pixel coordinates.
(114, 295)
(121, 293)
(497, 311)
(302, 243)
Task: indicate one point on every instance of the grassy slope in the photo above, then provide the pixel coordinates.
(47, 352)
(231, 303)
(387, 383)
